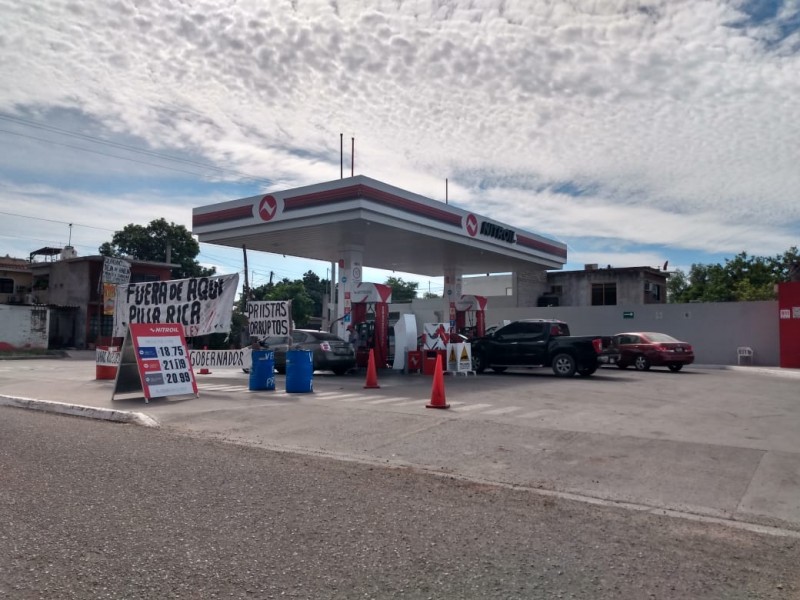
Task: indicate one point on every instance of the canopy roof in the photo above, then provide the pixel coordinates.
(395, 229)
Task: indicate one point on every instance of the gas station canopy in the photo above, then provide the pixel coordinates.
(395, 229)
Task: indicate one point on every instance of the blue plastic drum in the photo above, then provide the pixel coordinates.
(262, 373)
(299, 371)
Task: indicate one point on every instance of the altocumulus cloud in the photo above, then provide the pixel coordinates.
(668, 120)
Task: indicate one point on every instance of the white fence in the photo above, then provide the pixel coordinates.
(715, 329)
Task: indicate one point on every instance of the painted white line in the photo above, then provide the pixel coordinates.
(224, 388)
(469, 407)
(387, 400)
(537, 414)
(503, 411)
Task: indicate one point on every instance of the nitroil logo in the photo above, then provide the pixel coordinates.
(472, 225)
(498, 233)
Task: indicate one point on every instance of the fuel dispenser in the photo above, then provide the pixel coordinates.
(471, 316)
(369, 315)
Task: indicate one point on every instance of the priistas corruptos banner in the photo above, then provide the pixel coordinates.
(202, 305)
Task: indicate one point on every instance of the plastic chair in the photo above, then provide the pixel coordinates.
(744, 353)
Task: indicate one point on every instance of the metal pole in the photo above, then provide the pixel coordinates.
(246, 281)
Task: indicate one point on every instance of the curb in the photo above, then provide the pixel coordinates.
(79, 410)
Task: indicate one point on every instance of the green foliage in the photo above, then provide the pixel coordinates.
(302, 303)
(402, 291)
(151, 242)
(741, 279)
(316, 289)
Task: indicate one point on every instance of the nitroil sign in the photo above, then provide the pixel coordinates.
(498, 233)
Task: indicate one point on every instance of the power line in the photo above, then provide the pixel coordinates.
(55, 221)
(82, 149)
(119, 145)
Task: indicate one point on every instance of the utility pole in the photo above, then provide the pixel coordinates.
(246, 281)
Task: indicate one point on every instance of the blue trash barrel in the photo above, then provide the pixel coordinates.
(262, 372)
(299, 371)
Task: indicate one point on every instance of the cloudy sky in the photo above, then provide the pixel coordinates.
(635, 132)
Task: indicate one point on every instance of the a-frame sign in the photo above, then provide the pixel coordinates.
(155, 362)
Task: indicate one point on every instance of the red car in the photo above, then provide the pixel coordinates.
(647, 349)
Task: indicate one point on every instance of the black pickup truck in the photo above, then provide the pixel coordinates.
(542, 343)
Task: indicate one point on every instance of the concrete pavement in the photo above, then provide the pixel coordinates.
(713, 443)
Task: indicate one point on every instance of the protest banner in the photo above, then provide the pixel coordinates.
(116, 271)
(220, 359)
(266, 318)
(203, 305)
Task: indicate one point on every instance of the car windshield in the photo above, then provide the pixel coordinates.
(275, 340)
(660, 337)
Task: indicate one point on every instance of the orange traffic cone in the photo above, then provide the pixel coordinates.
(437, 391)
(372, 373)
(204, 370)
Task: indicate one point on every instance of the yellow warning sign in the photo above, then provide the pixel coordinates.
(464, 355)
(452, 354)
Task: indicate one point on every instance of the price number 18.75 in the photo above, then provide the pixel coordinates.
(170, 350)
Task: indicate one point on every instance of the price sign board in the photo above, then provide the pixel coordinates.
(155, 362)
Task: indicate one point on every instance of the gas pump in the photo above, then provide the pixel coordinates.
(471, 316)
(369, 316)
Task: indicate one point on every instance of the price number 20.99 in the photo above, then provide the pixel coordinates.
(178, 377)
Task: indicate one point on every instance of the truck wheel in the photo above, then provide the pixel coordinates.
(641, 363)
(478, 363)
(564, 365)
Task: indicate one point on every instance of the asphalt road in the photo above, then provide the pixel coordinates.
(91, 509)
(717, 443)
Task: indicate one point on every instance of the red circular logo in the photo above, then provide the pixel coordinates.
(268, 208)
(472, 225)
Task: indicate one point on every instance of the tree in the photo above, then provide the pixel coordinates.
(302, 303)
(402, 291)
(316, 289)
(156, 242)
(741, 279)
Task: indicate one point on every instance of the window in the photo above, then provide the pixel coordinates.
(101, 325)
(140, 278)
(521, 330)
(6, 285)
(604, 294)
(556, 290)
(653, 289)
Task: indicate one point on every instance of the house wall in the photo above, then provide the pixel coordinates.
(576, 286)
(715, 330)
(23, 327)
(486, 285)
(22, 285)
